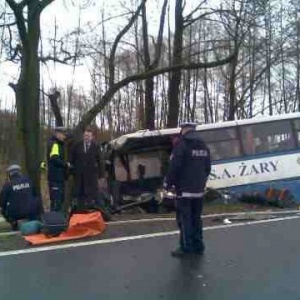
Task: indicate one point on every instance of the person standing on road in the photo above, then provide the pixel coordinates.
(190, 166)
(86, 160)
(57, 168)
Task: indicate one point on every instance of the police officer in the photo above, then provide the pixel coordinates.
(17, 198)
(57, 168)
(189, 168)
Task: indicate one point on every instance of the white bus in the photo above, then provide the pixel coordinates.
(259, 155)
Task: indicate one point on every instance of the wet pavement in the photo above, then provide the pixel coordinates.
(124, 226)
(258, 261)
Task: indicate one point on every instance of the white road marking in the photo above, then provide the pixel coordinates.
(7, 233)
(2, 220)
(247, 214)
(161, 219)
(130, 238)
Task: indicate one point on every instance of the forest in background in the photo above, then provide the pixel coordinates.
(210, 62)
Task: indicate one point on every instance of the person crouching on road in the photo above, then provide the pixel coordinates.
(57, 168)
(190, 166)
(17, 199)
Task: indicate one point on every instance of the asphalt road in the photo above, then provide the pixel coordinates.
(260, 261)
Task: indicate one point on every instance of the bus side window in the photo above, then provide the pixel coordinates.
(268, 137)
(296, 124)
(248, 140)
(214, 151)
(224, 149)
(261, 144)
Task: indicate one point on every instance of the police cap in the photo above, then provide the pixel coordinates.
(14, 168)
(188, 125)
(61, 129)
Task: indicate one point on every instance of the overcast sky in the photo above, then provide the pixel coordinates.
(66, 15)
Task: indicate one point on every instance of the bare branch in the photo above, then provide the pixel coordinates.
(189, 22)
(118, 38)
(18, 12)
(92, 113)
(8, 25)
(43, 4)
(190, 15)
(64, 61)
(160, 35)
(109, 19)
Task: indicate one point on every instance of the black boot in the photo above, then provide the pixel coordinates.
(179, 253)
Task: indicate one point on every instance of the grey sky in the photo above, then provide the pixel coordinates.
(66, 15)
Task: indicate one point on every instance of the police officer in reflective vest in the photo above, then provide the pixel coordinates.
(189, 169)
(57, 167)
(17, 198)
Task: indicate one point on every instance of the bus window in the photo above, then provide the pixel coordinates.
(215, 135)
(297, 128)
(224, 149)
(148, 163)
(223, 143)
(120, 171)
(267, 137)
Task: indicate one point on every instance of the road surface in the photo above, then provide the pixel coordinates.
(258, 261)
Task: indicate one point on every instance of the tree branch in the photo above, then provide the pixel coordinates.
(53, 97)
(18, 12)
(189, 16)
(55, 59)
(43, 4)
(189, 22)
(92, 113)
(160, 35)
(111, 63)
(8, 25)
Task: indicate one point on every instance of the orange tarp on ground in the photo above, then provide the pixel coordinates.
(80, 226)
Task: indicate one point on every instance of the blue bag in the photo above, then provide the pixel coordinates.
(30, 227)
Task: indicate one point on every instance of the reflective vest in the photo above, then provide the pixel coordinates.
(56, 160)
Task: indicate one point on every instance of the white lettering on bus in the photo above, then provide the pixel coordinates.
(246, 170)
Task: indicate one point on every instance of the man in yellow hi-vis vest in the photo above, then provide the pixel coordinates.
(57, 167)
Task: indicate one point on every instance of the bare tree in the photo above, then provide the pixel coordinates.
(27, 18)
(114, 86)
(149, 82)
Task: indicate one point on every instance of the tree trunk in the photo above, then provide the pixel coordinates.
(298, 63)
(175, 77)
(27, 99)
(149, 84)
(268, 26)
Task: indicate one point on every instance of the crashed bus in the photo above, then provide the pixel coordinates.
(259, 156)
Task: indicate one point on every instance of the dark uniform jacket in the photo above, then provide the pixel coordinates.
(17, 199)
(190, 165)
(56, 160)
(87, 169)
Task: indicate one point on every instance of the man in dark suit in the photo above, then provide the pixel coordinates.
(86, 160)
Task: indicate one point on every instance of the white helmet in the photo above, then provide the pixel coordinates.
(13, 169)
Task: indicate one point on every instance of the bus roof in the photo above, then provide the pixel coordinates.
(144, 135)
